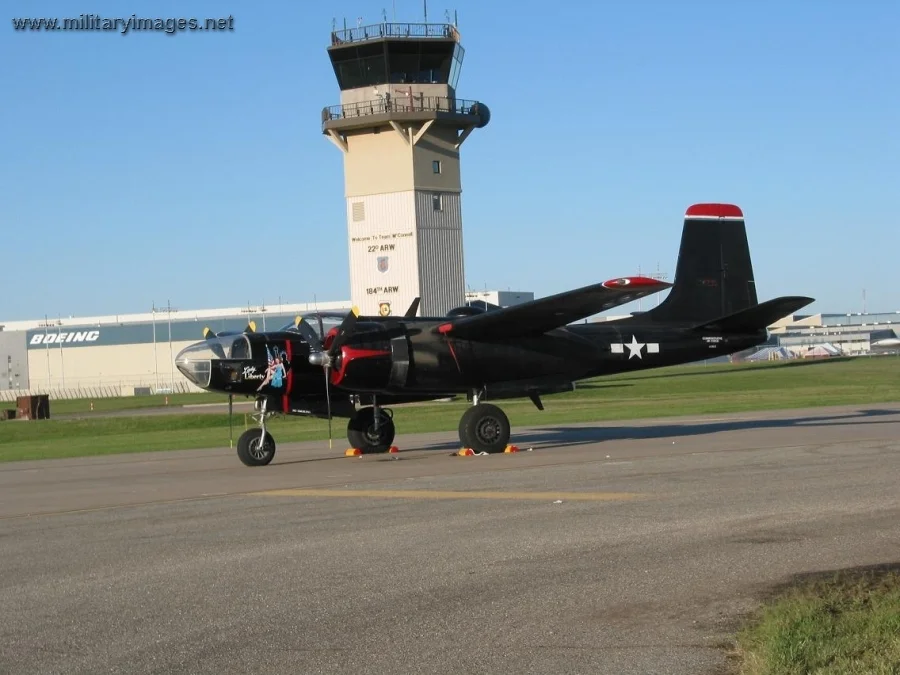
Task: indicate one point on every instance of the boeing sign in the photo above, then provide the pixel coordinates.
(64, 337)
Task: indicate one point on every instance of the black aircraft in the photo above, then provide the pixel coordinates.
(329, 365)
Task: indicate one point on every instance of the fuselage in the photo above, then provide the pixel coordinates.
(401, 360)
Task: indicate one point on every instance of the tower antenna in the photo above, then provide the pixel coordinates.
(425, 6)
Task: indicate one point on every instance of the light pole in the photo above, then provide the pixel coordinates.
(169, 310)
(155, 358)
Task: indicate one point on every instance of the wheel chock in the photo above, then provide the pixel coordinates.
(393, 450)
(352, 452)
(465, 452)
(511, 448)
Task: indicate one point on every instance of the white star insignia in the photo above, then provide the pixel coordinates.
(634, 347)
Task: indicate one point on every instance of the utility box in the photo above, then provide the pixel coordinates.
(33, 407)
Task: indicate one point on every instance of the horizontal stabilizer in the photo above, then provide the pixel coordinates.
(544, 314)
(758, 317)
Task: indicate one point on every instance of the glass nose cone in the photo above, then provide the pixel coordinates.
(194, 363)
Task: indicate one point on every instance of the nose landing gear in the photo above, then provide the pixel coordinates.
(256, 447)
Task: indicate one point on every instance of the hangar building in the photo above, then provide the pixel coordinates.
(849, 334)
(128, 354)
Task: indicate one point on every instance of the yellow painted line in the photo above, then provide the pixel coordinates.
(448, 494)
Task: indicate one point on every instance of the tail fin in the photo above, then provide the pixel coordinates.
(714, 275)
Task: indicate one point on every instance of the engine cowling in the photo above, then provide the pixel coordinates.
(472, 308)
(376, 360)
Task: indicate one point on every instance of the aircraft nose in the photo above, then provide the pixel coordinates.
(195, 364)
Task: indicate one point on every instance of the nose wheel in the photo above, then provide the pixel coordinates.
(484, 428)
(256, 447)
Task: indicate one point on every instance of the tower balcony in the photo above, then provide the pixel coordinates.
(394, 31)
(457, 112)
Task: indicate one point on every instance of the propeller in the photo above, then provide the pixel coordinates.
(325, 358)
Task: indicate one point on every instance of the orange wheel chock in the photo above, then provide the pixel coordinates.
(511, 448)
(394, 449)
(465, 452)
(352, 452)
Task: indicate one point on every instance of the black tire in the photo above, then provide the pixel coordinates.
(249, 450)
(464, 426)
(362, 435)
(484, 428)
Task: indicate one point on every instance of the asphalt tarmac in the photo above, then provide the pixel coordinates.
(626, 548)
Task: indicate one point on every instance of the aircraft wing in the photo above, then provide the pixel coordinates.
(544, 314)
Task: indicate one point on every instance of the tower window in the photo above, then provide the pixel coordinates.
(436, 166)
(437, 202)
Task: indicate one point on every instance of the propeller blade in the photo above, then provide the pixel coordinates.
(309, 334)
(251, 327)
(230, 420)
(413, 308)
(208, 334)
(344, 331)
(328, 403)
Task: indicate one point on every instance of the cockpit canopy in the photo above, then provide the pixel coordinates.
(320, 322)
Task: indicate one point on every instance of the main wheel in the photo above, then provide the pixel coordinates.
(484, 428)
(253, 453)
(362, 434)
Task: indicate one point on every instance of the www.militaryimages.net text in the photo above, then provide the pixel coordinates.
(124, 25)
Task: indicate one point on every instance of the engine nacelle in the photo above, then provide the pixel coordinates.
(376, 361)
(472, 308)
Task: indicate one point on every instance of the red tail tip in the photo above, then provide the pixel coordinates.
(714, 211)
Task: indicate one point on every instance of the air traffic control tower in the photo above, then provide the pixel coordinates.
(400, 127)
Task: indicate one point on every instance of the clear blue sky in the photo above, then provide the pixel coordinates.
(147, 167)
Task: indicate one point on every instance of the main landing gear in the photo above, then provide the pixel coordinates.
(484, 427)
(371, 429)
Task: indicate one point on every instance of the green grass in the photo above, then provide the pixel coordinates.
(83, 405)
(657, 393)
(848, 624)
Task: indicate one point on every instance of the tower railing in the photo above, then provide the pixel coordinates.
(389, 104)
(379, 31)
